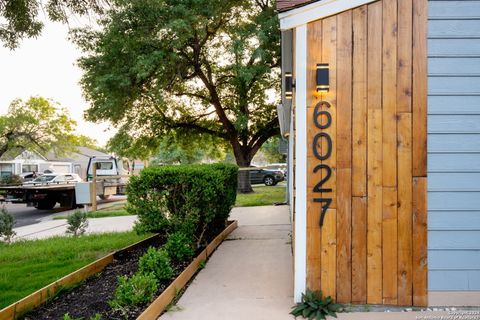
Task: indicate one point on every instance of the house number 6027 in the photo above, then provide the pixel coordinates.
(322, 119)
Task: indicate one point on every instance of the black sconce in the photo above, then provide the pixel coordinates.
(288, 85)
(323, 81)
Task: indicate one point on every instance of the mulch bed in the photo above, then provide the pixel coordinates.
(92, 296)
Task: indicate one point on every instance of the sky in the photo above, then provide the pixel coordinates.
(46, 67)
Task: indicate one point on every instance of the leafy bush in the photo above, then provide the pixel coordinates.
(140, 288)
(11, 180)
(7, 222)
(195, 199)
(179, 247)
(314, 306)
(156, 262)
(77, 223)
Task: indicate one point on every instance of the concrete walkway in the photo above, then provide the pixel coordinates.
(249, 277)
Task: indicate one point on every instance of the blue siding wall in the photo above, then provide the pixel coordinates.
(454, 145)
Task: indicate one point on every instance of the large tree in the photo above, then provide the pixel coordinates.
(195, 66)
(21, 18)
(36, 125)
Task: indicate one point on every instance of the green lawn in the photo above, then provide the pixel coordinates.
(113, 211)
(261, 196)
(30, 265)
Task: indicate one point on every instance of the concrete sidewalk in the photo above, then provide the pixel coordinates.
(250, 276)
(52, 228)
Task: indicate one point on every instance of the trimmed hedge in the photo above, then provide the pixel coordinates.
(193, 199)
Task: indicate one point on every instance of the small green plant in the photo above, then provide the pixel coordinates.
(97, 316)
(314, 306)
(156, 262)
(140, 288)
(179, 247)
(202, 265)
(7, 222)
(77, 223)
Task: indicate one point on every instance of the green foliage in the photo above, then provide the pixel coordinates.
(180, 246)
(77, 223)
(203, 67)
(139, 288)
(314, 306)
(156, 262)
(37, 125)
(11, 180)
(20, 19)
(7, 222)
(196, 199)
(271, 150)
(97, 316)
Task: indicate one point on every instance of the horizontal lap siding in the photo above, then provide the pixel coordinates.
(454, 145)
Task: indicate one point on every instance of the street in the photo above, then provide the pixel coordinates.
(28, 215)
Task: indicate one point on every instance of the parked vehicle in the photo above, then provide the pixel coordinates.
(57, 178)
(266, 176)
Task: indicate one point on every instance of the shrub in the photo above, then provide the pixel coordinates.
(189, 198)
(11, 180)
(314, 306)
(179, 247)
(77, 223)
(140, 288)
(7, 222)
(156, 262)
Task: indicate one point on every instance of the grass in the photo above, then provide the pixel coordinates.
(27, 266)
(261, 196)
(116, 210)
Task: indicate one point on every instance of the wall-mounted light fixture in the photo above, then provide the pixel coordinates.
(323, 81)
(288, 85)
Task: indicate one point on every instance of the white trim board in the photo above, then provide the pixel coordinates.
(300, 277)
(317, 10)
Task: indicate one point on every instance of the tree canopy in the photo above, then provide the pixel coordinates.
(21, 18)
(189, 66)
(36, 125)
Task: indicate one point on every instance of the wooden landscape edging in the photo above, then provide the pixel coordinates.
(39, 297)
(158, 306)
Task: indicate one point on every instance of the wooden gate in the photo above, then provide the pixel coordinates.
(367, 155)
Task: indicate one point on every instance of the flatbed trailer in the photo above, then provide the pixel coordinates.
(46, 195)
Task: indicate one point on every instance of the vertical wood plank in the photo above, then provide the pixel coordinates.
(344, 157)
(389, 125)
(374, 154)
(389, 78)
(389, 246)
(404, 56)
(329, 232)
(314, 47)
(419, 94)
(420, 295)
(359, 250)
(405, 209)
(359, 125)
(329, 254)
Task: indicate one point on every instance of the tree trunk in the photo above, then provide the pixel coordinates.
(244, 185)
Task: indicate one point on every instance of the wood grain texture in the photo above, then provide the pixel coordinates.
(314, 54)
(344, 157)
(405, 209)
(329, 232)
(359, 112)
(374, 155)
(420, 239)
(404, 56)
(419, 95)
(359, 250)
(389, 97)
(389, 245)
